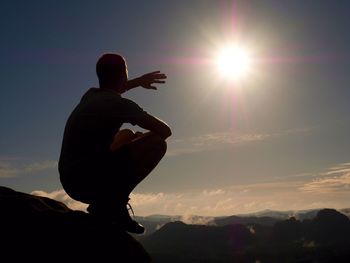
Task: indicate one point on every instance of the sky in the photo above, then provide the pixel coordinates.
(277, 139)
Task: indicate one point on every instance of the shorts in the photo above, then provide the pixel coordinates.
(103, 177)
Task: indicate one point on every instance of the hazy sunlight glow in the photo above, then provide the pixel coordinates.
(233, 62)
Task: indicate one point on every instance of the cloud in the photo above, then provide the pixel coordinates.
(208, 142)
(336, 184)
(8, 169)
(234, 199)
(338, 168)
(222, 140)
(62, 196)
(299, 192)
(213, 192)
(303, 175)
(335, 180)
(146, 199)
(197, 220)
(40, 166)
(230, 200)
(305, 191)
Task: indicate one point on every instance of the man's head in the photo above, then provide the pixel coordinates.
(112, 71)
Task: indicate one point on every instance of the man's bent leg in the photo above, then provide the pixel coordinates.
(142, 156)
(146, 152)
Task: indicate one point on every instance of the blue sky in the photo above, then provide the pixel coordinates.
(278, 140)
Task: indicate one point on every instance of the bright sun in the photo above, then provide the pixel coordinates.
(233, 62)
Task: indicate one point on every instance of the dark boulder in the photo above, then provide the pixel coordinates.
(42, 229)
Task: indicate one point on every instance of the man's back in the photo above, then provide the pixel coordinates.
(91, 126)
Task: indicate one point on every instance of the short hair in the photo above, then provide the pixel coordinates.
(110, 67)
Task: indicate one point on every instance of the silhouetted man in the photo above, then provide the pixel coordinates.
(100, 164)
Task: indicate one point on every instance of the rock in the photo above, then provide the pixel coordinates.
(42, 229)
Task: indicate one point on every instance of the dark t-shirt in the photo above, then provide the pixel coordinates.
(92, 125)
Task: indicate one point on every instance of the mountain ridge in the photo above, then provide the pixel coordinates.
(265, 217)
(259, 213)
(325, 238)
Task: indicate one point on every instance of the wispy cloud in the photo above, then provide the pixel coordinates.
(62, 196)
(305, 191)
(335, 180)
(337, 184)
(40, 166)
(197, 220)
(10, 168)
(221, 201)
(338, 169)
(146, 199)
(234, 199)
(221, 140)
(208, 142)
(213, 192)
(6, 170)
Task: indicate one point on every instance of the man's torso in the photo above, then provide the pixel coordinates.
(92, 125)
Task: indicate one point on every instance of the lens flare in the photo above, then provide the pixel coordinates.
(233, 62)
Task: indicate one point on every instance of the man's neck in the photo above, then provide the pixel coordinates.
(111, 87)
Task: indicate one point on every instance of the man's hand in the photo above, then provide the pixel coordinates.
(147, 80)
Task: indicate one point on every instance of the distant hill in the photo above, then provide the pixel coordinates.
(154, 222)
(324, 238)
(282, 215)
(265, 218)
(345, 211)
(249, 220)
(159, 218)
(179, 242)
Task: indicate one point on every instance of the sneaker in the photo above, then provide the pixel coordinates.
(130, 224)
(121, 217)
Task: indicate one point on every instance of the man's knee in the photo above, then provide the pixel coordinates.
(162, 147)
(159, 144)
(150, 144)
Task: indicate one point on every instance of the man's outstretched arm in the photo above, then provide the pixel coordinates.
(149, 122)
(155, 125)
(147, 81)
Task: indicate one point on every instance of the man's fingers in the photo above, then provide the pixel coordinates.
(156, 75)
(150, 87)
(152, 73)
(160, 75)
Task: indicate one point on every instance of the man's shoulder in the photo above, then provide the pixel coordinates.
(100, 94)
(131, 106)
(127, 100)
